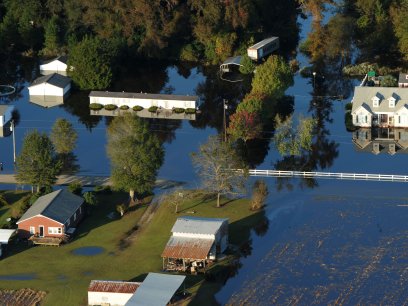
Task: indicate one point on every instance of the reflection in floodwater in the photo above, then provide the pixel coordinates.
(381, 140)
(144, 113)
(47, 101)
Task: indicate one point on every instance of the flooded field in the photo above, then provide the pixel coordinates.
(344, 243)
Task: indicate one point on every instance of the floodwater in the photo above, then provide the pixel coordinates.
(328, 241)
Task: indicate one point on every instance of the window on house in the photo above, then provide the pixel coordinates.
(362, 119)
(75, 216)
(375, 102)
(391, 103)
(32, 230)
(54, 230)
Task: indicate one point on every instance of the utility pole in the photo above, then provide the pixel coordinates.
(12, 128)
(225, 105)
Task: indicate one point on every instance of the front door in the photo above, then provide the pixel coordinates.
(41, 231)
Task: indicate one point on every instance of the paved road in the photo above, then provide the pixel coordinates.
(87, 180)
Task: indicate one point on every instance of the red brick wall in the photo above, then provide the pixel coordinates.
(24, 227)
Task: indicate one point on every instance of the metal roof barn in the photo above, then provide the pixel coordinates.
(156, 290)
(197, 225)
(187, 248)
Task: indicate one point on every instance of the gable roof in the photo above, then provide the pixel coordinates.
(156, 290)
(198, 225)
(187, 248)
(58, 205)
(364, 95)
(53, 79)
(61, 58)
(403, 78)
(113, 286)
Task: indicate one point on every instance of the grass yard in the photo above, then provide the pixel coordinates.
(14, 199)
(65, 276)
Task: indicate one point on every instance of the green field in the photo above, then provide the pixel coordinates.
(65, 276)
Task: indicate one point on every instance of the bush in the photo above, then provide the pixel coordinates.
(190, 110)
(348, 119)
(349, 106)
(178, 110)
(248, 65)
(124, 107)
(259, 195)
(95, 106)
(137, 108)
(388, 81)
(103, 189)
(110, 107)
(153, 109)
(75, 187)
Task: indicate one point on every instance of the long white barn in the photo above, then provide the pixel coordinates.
(143, 99)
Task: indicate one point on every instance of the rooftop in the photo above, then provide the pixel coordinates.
(198, 225)
(61, 58)
(263, 42)
(5, 235)
(187, 248)
(134, 95)
(113, 286)
(53, 79)
(58, 205)
(156, 290)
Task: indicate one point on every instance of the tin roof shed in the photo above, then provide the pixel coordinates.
(198, 225)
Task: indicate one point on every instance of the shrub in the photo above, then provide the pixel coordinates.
(103, 189)
(75, 187)
(388, 81)
(190, 110)
(178, 110)
(124, 107)
(259, 195)
(349, 106)
(137, 108)
(110, 107)
(95, 106)
(152, 109)
(348, 119)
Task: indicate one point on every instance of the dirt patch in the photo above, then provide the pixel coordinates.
(22, 297)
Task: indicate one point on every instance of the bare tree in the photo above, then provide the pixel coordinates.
(220, 168)
(176, 198)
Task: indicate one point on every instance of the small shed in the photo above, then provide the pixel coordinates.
(195, 243)
(157, 289)
(58, 65)
(114, 293)
(50, 85)
(6, 112)
(5, 235)
(403, 80)
(263, 48)
(231, 61)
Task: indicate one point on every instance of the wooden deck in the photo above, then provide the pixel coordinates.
(52, 241)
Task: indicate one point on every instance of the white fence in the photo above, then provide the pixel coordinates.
(332, 175)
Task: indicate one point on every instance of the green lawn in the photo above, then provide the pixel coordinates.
(15, 200)
(66, 276)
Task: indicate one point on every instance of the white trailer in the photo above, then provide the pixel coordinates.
(263, 48)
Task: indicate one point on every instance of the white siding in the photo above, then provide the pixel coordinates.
(253, 54)
(54, 66)
(113, 299)
(145, 103)
(45, 89)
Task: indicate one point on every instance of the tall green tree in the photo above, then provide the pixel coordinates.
(91, 60)
(37, 164)
(272, 78)
(63, 136)
(51, 37)
(136, 155)
(216, 163)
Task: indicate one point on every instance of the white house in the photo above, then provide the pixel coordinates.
(380, 106)
(143, 99)
(113, 293)
(50, 85)
(6, 112)
(195, 241)
(58, 65)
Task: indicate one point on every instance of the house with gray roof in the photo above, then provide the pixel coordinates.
(58, 65)
(380, 107)
(52, 215)
(50, 85)
(195, 242)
